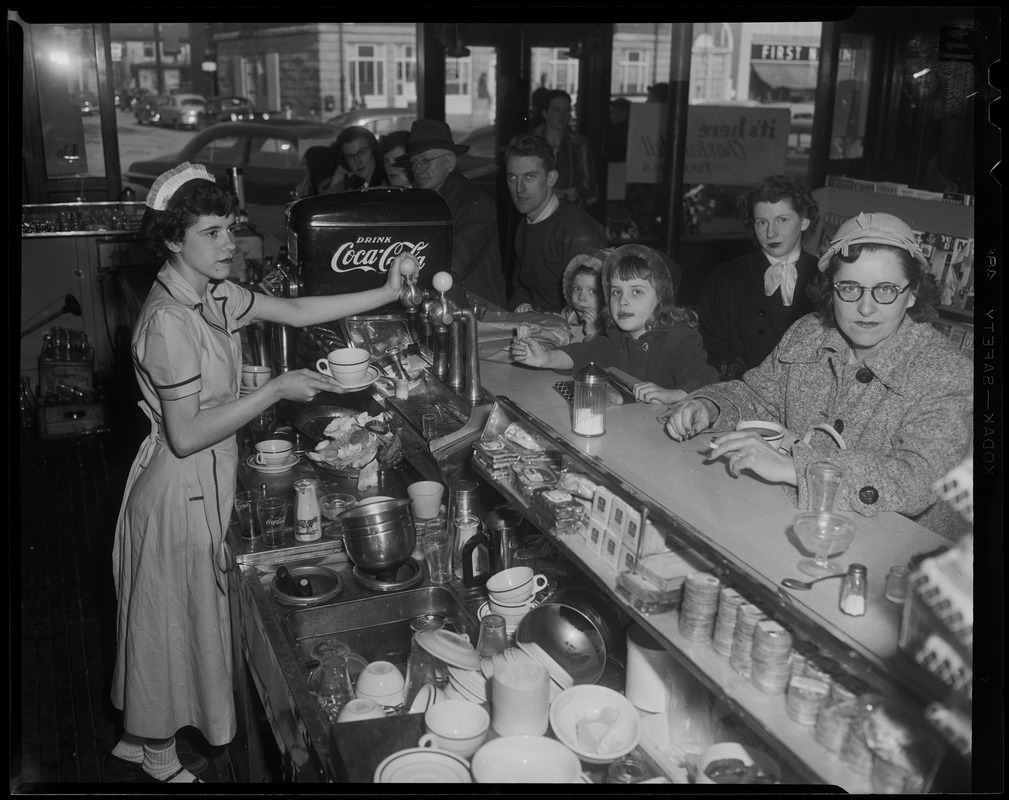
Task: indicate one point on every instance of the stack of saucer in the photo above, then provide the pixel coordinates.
(470, 684)
(699, 606)
(770, 666)
(747, 617)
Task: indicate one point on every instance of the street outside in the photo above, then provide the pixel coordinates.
(142, 142)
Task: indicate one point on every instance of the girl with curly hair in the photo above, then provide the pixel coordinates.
(644, 333)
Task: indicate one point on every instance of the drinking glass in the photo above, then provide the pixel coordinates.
(823, 480)
(824, 535)
(438, 553)
(332, 506)
(335, 688)
(261, 427)
(272, 513)
(493, 636)
(420, 671)
(245, 507)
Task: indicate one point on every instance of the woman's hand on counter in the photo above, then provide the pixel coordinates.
(747, 450)
(689, 417)
(648, 392)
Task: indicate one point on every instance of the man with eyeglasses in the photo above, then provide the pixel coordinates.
(748, 303)
(865, 382)
(550, 233)
(476, 253)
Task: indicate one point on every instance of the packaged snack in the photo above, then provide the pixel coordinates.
(523, 438)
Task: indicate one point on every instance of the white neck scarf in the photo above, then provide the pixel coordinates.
(783, 274)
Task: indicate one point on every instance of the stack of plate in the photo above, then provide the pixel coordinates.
(470, 684)
(452, 648)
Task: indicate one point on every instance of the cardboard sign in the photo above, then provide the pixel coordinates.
(737, 145)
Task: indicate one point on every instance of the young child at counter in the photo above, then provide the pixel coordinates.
(644, 333)
(173, 658)
(583, 292)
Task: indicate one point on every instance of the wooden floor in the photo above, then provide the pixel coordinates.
(63, 636)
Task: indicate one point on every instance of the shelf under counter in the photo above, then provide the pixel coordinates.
(742, 526)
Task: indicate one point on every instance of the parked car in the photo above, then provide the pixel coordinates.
(86, 101)
(182, 110)
(269, 154)
(129, 99)
(376, 120)
(228, 109)
(146, 110)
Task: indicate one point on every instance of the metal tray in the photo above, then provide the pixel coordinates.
(312, 421)
(326, 583)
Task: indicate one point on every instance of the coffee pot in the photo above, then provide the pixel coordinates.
(501, 535)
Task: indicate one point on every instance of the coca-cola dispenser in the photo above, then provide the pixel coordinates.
(340, 243)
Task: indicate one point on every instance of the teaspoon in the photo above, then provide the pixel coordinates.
(792, 583)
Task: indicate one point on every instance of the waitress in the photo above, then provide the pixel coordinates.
(173, 657)
(868, 365)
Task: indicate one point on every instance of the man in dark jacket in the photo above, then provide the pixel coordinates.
(476, 254)
(550, 233)
(748, 303)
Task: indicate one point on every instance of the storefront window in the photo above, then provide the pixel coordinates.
(851, 103)
(66, 70)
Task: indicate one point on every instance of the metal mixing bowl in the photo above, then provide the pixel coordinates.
(379, 537)
(575, 628)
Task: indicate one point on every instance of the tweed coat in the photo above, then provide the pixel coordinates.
(905, 413)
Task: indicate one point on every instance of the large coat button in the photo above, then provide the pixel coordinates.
(868, 495)
(864, 375)
(839, 425)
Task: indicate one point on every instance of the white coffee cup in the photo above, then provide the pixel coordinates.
(255, 376)
(458, 726)
(426, 498)
(515, 585)
(347, 365)
(770, 432)
(272, 452)
(361, 708)
(380, 679)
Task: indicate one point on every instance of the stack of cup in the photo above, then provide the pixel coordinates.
(648, 671)
(425, 499)
(512, 593)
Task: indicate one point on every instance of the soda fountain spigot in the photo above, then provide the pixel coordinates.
(441, 312)
(464, 361)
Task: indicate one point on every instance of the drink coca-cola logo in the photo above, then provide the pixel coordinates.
(374, 254)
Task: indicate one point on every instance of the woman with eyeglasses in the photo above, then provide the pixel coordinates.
(883, 393)
(359, 160)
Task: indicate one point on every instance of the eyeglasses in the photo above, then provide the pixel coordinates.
(357, 155)
(883, 293)
(421, 164)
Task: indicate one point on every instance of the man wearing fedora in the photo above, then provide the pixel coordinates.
(476, 255)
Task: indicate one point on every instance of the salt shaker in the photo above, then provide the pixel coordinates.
(307, 515)
(588, 411)
(854, 590)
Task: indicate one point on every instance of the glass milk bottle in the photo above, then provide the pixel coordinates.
(307, 514)
(588, 411)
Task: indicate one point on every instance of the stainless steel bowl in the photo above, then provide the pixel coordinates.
(381, 547)
(576, 628)
(375, 513)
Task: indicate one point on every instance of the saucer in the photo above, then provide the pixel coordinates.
(272, 469)
(452, 648)
(373, 374)
(423, 765)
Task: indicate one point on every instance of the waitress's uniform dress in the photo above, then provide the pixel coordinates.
(173, 657)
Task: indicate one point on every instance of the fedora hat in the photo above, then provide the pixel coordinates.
(430, 134)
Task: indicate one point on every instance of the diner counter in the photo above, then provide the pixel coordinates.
(744, 523)
(745, 519)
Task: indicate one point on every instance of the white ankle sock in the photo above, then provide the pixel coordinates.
(130, 748)
(162, 763)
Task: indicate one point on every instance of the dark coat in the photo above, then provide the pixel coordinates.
(738, 322)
